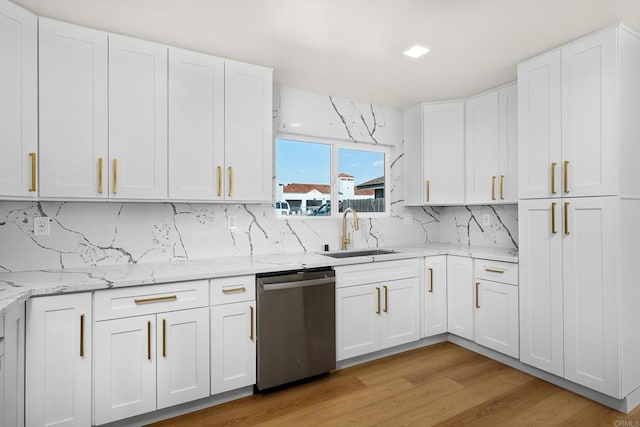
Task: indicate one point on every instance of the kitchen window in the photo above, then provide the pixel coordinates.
(321, 178)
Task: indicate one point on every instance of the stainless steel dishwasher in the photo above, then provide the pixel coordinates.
(296, 325)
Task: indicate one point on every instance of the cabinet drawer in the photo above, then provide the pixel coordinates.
(233, 289)
(376, 272)
(497, 271)
(141, 300)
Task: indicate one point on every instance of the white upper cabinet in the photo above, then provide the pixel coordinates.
(539, 126)
(569, 120)
(73, 111)
(137, 119)
(196, 126)
(248, 132)
(491, 147)
(434, 153)
(18, 102)
(590, 116)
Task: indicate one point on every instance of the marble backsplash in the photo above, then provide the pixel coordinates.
(102, 233)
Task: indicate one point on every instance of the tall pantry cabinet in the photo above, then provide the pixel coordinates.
(579, 200)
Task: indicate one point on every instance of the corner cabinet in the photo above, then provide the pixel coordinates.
(152, 348)
(377, 306)
(460, 296)
(435, 296)
(491, 143)
(434, 154)
(18, 102)
(58, 360)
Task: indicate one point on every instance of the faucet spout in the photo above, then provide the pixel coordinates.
(346, 237)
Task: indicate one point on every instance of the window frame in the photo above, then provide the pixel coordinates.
(335, 145)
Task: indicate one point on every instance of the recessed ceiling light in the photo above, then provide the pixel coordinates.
(416, 51)
(295, 125)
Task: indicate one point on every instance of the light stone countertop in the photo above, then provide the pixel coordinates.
(17, 287)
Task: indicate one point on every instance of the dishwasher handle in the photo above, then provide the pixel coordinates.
(297, 284)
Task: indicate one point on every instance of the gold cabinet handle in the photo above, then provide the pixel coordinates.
(431, 280)
(477, 295)
(155, 299)
(378, 291)
(82, 335)
(33, 172)
(386, 299)
(164, 337)
(230, 181)
(251, 322)
(494, 270)
(234, 290)
(428, 189)
(566, 176)
(493, 188)
(149, 340)
(553, 177)
(553, 218)
(100, 175)
(219, 181)
(501, 187)
(115, 176)
(566, 217)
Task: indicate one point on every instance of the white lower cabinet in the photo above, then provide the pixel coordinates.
(151, 348)
(460, 296)
(435, 296)
(496, 317)
(233, 346)
(375, 316)
(58, 360)
(233, 333)
(12, 368)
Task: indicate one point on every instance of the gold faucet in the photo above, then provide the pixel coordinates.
(346, 237)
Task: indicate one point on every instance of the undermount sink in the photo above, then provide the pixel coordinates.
(359, 253)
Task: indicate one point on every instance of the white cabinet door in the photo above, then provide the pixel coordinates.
(460, 296)
(358, 311)
(401, 312)
(248, 132)
(18, 101)
(590, 115)
(496, 317)
(483, 147)
(435, 302)
(183, 356)
(196, 126)
(137, 119)
(73, 111)
(58, 361)
(443, 139)
(125, 368)
(591, 314)
(540, 284)
(12, 379)
(539, 126)
(508, 179)
(233, 346)
(414, 182)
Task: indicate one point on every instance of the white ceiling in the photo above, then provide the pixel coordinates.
(352, 48)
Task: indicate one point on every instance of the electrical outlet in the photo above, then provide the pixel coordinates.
(41, 226)
(232, 223)
(408, 219)
(486, 219)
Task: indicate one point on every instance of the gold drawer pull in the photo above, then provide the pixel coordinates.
(501, 187)
(477, 295)
(33, 172)
(493, 270)
(82, 335)
(164, 338)
(428, 189)
(386, 299)
(230, 181)
(234, 290)
(566, 176)
(493, 188)
(431, 280)
(115, 176)
(553, 177)
(219, 181)
(566, 217)
(100, 175)
(553, 217)
(156, 299)
(149, 340)
(378, 292)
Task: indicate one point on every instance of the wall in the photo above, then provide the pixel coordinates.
(107, 233)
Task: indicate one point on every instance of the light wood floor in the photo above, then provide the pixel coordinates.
(439, 385)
